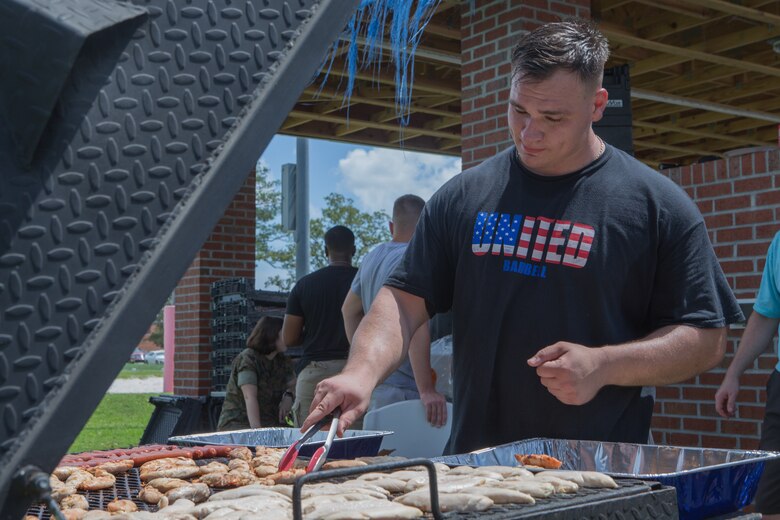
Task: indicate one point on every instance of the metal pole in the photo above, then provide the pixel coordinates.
(302, 209)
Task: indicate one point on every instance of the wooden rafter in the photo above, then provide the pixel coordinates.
(657, 129)
(720, 44)
(368, 124)
(619, 34)
(738, 10)
(709, 54)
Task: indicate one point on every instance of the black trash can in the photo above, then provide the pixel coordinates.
(173, 415)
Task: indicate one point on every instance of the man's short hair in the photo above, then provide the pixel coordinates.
(574, 45)
(406, 210)
(340, 240)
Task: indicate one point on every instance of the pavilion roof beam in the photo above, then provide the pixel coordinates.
(424, 53)
(737, 10)
(369, 124)
(420, 85)
(382, 141)
(703, 105)
(713, 92)
(356, 99)
(445, 145)
(765, 135)
(608, 5)
(682, 54)
(658, 25)
(658, 129)
(675, 6)
(686, 150)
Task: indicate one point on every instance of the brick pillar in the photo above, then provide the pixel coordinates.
(740, 201)
(488, 33)
(229, 252)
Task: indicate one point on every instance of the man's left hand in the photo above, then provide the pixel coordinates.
(285, 405)
(435, 408)
(569, 371)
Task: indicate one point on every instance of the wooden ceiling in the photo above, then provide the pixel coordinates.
(705, 81)
(434, 123)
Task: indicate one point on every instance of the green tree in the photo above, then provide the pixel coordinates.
(276, 247)
(370, 228)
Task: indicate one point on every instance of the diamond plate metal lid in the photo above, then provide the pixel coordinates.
(155, 128)
(33, 73)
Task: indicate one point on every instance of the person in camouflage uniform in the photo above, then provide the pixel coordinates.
(259, 391)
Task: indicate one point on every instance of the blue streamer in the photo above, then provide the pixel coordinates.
(405, 31)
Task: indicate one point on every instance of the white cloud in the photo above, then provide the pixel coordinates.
(378, 176)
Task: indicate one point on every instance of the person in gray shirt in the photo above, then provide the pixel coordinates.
(405, 383)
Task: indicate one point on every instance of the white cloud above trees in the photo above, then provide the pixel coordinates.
(378, 176)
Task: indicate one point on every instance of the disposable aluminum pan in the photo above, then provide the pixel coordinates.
(709, 482)
(355, 443)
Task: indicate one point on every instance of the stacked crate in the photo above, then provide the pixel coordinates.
(235, 309)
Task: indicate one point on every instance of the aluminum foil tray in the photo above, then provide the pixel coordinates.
(355, 443)
(709, 482)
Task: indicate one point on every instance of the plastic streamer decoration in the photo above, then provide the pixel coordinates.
(407, 20)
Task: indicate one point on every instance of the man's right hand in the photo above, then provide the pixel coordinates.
(726, 396)
(347, 391)
(435, 408)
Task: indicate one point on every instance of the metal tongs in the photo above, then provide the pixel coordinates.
(319, 456)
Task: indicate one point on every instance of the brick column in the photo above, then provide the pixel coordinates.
(488, 33)
(229, 252)
(740, 201)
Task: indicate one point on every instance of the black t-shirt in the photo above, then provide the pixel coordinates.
(318, 297)
(600, 256)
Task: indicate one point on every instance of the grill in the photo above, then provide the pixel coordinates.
(132, 126)
(127, 486)
(635, 499)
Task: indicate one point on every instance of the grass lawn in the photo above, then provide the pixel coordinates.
(140, 371)
(118, 422)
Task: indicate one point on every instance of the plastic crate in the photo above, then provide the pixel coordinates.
(232, 286)
(172, 415)
(269, 298)
(230, 324)
(229, 340)
(224, 358)
(232, 342)
(219, 378)
(227, 299)
(234, 307)
(257, 313)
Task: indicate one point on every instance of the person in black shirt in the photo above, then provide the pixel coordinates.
(313, 318)
(575, 274)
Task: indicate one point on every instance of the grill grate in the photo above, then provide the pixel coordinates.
(634, 499)
(127, 487)
(643, 500)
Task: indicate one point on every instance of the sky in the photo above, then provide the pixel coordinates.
(372, 177)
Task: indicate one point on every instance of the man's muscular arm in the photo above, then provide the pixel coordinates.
(378, 347)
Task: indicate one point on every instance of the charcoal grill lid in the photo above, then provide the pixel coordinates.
(40, 43)
(152, 136)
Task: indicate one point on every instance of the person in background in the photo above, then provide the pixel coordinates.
(259, 391)
(403, 384)
(576, 275)
(313, 318)
(757, 339)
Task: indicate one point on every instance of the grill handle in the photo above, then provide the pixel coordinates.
(347, 472)
(34, 482)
